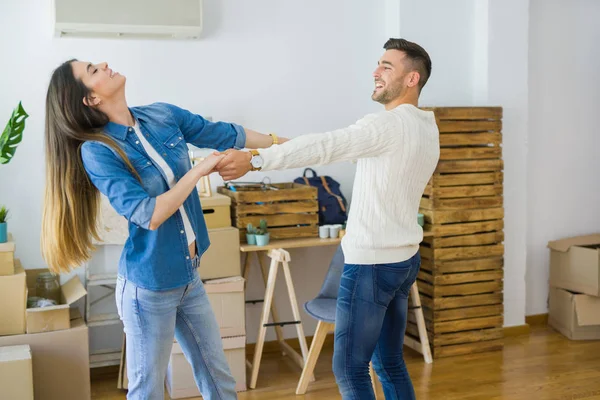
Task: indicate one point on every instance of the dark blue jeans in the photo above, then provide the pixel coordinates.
(370, 323)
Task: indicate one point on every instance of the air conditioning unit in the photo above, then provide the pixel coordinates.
(146, 19)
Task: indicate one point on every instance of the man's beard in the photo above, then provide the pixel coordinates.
(391, 92)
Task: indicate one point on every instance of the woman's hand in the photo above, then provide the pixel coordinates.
(170, 201)
(208, 165)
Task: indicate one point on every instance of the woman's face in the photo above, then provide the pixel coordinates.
(103, 82)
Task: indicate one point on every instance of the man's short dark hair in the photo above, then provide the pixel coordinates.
(416, 54)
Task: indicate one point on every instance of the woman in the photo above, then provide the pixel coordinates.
(138, 158)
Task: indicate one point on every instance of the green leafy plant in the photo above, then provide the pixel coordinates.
(251, 229)
(262, 229)
(3, 214)
(12, 134)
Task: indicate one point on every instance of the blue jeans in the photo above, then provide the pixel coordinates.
(151, 320)
(370, 322)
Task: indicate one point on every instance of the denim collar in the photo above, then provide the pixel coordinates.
(119, 131)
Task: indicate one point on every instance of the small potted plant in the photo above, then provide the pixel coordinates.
(262, 234)
(9, 139)
(251, 234)
(342, 231)
(3, 225)
(12, 134)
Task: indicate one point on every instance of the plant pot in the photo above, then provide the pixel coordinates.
(262, 240)
(251, 238)
(324, 231)
(421, 219)
(3, 232)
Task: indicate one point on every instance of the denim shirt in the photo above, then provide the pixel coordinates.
(156, 259)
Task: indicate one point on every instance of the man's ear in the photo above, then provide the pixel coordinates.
(414, 79)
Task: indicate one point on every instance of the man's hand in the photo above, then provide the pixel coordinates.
(234, 165)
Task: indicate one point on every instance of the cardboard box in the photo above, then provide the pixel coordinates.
(16, 372)
(216, 210)
(54, 318)
(180, 378)
(227, 299)
(61, 362)
(575, 264)
(7, 257)
(13, 301)
(222, 259)
(577, 316)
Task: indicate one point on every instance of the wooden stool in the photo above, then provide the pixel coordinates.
(421, 346)
(323, 328)
(278, 256)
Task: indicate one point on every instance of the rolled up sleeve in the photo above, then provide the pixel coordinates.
(111, 176)
(206, 134)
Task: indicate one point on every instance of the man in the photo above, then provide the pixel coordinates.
(397, 151)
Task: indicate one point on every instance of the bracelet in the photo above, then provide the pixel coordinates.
(275, 138)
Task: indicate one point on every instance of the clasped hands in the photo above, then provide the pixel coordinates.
(231, 164)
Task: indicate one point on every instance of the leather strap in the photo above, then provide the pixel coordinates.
(339, 199)
(311, 170)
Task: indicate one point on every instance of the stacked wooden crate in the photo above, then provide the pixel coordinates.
(461, 277)
(290, 209)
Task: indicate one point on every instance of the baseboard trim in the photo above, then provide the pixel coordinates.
(518, 330)
(537, 320)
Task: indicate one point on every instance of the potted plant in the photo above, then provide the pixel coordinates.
(3, 227)
(251, 234)
(262, 234)
(12, 134)
(342, 231)
(9, 139)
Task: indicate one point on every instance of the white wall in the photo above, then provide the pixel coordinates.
(508, 87)
(479, 59)
(446, 30)
(563, 186)
(284, 67)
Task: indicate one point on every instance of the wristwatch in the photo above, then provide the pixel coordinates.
(275, 138)
(256, 161)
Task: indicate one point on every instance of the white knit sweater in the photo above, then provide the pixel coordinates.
(397, 152)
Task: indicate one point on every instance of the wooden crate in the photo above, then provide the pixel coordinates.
(461, 276)
(462, 304)
(461, 284)
(465, 193)
(291, 211)
(470, 139)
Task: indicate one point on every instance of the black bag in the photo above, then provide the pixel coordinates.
(332, 203)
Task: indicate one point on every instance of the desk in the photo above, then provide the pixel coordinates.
(279, 256)
(276, 251)
(298, 243)
(290, 244)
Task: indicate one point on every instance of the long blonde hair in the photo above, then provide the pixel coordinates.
(71, 201)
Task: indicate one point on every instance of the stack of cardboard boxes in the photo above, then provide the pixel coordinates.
(574, 299)
(221, 272)
(56, 337)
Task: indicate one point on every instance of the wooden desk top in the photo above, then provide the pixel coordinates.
(291, 244)
(298, 243)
